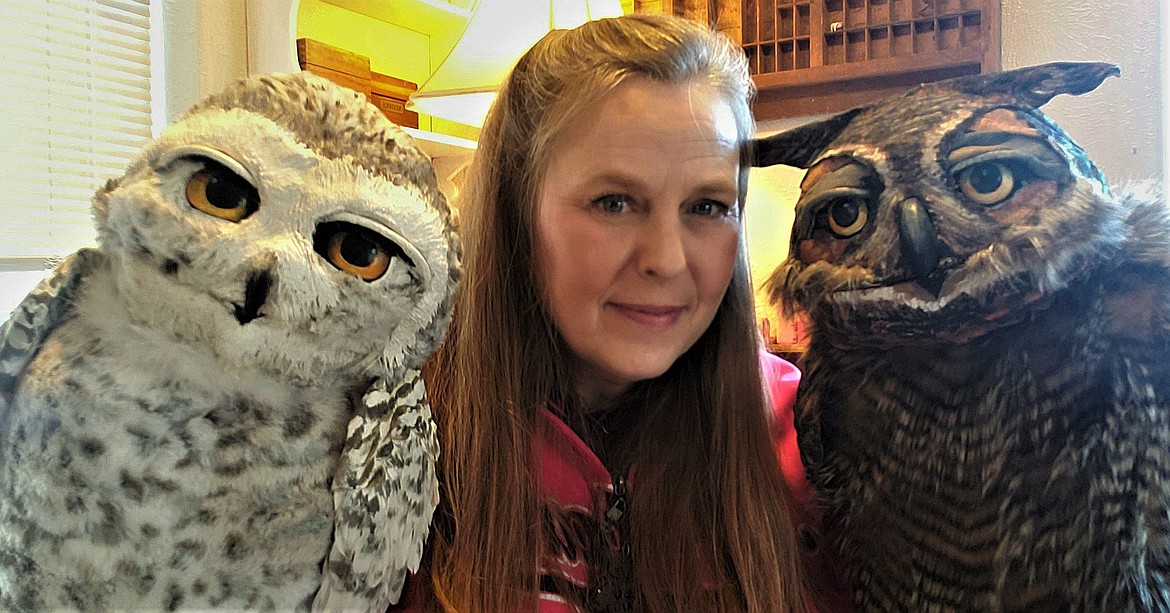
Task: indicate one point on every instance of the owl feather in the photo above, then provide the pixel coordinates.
(985, 410)
(34, 319)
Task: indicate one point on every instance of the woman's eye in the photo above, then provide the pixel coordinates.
(221, 193)
(846, 216)
(612, 203)
(710, 208)
(988, 183)
(356, 250)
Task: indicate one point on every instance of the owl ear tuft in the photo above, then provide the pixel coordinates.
(799, 146)
(1036, 85)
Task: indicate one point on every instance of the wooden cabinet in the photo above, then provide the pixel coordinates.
(811, 57)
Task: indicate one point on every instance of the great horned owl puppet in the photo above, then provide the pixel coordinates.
(985, 411)
(220, 406)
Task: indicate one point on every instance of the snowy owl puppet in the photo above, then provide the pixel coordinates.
(220, 405)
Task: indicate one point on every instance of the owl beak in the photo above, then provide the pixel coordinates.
(255, 294)
(920, 244)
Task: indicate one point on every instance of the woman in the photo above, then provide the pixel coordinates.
(607, 443)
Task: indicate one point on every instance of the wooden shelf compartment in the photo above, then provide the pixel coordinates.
(818, 45)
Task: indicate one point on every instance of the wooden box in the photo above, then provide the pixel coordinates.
(345, 68)
(390, 94)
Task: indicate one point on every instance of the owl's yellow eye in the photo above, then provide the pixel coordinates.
(356, 250)
(221, 193)
(987, 183)
(847, 217)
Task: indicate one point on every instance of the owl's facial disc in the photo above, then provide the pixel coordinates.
(880, 237)
(223, 188)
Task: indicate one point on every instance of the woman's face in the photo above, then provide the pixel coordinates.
(637, 229)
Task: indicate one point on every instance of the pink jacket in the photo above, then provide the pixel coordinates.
(571, 473)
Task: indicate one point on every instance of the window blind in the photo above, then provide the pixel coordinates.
(75, 77)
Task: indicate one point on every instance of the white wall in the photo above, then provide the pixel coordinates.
(205, 49)
(1120, 123)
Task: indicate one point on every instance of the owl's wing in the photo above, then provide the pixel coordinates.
(45, 307)
(1134, 479)
(384, 493)
(1135, 489)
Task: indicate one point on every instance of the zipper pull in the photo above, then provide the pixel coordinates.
(617, 508)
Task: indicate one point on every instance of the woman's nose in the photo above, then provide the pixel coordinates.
(661, 248)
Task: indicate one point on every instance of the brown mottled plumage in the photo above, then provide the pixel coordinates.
(985, 411)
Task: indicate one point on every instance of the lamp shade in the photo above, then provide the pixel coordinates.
(498, 32)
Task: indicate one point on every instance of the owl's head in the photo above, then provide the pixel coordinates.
(945, 212)
(286, 224)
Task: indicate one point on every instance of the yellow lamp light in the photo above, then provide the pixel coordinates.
(498, 32)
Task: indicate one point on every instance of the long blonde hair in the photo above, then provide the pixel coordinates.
(708, 485)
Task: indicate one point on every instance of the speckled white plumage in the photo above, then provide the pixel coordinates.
(202, 412)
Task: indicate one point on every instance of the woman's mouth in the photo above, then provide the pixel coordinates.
(649, 315)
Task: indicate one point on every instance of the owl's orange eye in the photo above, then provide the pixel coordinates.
(847, 217)
(356, 250)
(358, 256)
(988, 183)
(221, 193)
